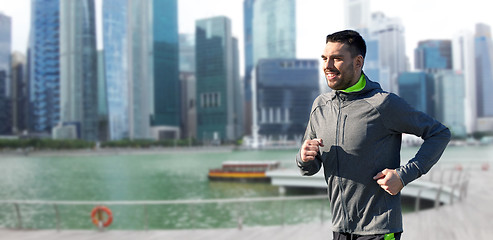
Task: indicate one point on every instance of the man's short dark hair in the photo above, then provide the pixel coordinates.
(356, 43)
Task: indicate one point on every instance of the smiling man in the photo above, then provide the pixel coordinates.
(355, 133)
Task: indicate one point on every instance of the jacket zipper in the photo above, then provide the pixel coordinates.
(343, 129)
(344, 207)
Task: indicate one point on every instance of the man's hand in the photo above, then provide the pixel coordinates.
(310, 149)
(389, 181)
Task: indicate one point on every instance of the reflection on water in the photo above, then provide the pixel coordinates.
(166, 176)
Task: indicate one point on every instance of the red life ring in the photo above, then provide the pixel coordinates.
(97, 216)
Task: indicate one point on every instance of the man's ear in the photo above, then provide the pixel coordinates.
(359, 61)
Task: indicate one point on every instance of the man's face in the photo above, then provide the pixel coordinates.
(340, 69)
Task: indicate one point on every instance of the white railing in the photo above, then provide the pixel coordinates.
(55, 204)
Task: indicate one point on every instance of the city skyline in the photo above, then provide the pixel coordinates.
(440, 24)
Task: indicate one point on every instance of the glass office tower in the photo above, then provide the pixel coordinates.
(215, 71)
(285, 91)
(44, 66)
(484, 70)
(166, 63)
(78, 67)
(5, 80)
(116, 66)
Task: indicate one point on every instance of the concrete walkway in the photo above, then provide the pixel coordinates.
(468, 219)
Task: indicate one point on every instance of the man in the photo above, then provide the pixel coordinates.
(355, 132)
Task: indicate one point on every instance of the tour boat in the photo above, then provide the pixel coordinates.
(243, 171)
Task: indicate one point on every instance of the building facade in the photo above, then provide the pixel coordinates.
(449, 101)
(433, 55)
(284, 92)
(78, 68)
(43, 67)
(417, 89)
(20, 100)
(166, 81)
(5, 78)
(464, 62)
(116, 67)
(483, 46)
(215, 76)
(389, 32)
(188, 86)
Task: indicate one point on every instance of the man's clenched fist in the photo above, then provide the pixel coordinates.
(310, 149)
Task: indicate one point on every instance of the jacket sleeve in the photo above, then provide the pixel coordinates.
(400, 117)
(311, 167)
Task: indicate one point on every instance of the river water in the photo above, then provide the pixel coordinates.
(173, 175)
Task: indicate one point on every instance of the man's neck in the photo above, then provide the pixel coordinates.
(358, 86)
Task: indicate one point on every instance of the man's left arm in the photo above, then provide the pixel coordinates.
(405, 119)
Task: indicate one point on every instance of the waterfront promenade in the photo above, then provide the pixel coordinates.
(467, 219)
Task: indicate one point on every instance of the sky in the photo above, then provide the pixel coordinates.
(422, 19)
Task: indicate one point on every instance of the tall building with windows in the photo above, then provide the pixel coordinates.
(433, 55)
(116, 67)
(166, 82)
(284, 93)
(78, 69)
(140, 79)
(249, 65)
(416, 88)
(274, 29)
(188, 86)
(141, 64)
(449, 100)
(269, 32)
(357, 15)
(5, 79)
(389, 32)
(215, 71)
(483, 45)
(43, 66)
(19, 94)
(464, 62)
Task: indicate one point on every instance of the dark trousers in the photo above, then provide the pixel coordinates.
(349, 236)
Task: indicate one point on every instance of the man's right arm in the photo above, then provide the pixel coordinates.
(308, 158)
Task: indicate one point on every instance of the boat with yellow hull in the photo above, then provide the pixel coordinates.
(243, 171)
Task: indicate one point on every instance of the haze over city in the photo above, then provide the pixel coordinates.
(423, 20)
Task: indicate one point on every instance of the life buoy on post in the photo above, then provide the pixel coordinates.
(97, 216)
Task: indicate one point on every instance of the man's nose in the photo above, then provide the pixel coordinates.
(328, 64)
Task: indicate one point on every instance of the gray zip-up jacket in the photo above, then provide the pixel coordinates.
(361, 133)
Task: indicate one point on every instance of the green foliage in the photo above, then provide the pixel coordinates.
(50, 144)
(146, 143)
(43, 144)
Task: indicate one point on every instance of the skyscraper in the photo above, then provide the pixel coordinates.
(357, 15)
(249, 65)
(141, 92)
(417, 89)
(43, 66)
(188, 86)
(216, 78)
(270, 32)
(115, 42)
(5, 80)
(449, 101)
(141, 64)
(464, 61)
(285, 90)
(274, 29)
(166, 80)
(78, 67)
(433, 55)
(484, 70)
(389, 32)
(19, 94)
